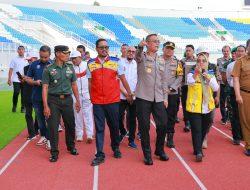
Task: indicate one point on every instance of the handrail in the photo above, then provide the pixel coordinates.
(59, 29)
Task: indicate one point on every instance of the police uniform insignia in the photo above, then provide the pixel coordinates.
(179, 70)
(149, 70)
(38, 66)
(55, 81)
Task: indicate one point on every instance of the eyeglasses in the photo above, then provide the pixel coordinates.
(154, 41)
(66, 52)
(103, 47)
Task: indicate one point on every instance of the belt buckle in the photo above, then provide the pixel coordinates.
(62, 96)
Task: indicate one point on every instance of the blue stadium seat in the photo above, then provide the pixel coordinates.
(111, 22)
(206, 22)
(4, 39)
(239, 30)
(20, 36)
(172, 26)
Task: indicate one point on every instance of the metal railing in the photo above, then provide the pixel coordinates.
(68, 34)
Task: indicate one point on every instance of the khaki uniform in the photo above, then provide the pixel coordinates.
(150, 95)
(173, 77)
(242, 70)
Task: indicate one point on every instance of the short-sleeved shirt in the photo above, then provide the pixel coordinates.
(242, 70)
(229, 72)
(120, 70)
(17, 64)
(36, 72)
(59, 78)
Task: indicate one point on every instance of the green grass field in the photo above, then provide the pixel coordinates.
(11, 124)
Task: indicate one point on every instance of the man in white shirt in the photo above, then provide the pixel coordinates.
(17, 65)
(234, 111)
(130, 66)
(85, 115)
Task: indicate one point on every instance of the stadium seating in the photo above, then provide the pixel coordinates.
(239, 30)
(206, 22)
(4, 39)
(173, 27)
(20, 36)
(111, 22)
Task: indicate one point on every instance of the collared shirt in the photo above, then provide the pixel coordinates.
(173, 74)
(229, 74)
(150, 84)
(36, 72)
(82, 80)
(242, 70)
(17, 64)
(59, 78)
(130, 74)
(222, 64)
(120, 70)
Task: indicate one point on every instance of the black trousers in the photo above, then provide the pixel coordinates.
(234, 116)
(110, 112)
(18, 87)
(29, 119)
(61, 107)
(200, 124)
(184, 91)
(223, 100)
(131, 118)
(144, 109)
(172, 112)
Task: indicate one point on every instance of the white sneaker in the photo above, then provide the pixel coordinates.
(60, 129)
(79, 139)
(48, 147)
(41, 141)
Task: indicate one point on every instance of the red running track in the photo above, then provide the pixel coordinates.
(224, 166)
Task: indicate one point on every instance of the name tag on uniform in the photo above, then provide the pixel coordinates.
(190, 63)
(149, 70)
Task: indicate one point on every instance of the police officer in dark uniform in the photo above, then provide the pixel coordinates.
(59, 80)
(174, 74)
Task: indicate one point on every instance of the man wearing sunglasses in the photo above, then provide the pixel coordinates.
(59, 80)
(35, 79)
(104, 73)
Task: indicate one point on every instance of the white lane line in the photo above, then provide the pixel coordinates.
(13, 157)
(190, 171)
(228, 136)
(95, 182)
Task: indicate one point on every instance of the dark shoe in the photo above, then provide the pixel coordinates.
(132, 145)
(117, 153)
(139, 136)
(74, 151)
(199, 157)
(170, 141)
(122, 136)
(163, 156)
(223, 122)
(236, 142)
(97, 161)
(148, 161)
(53, 158)
(247, 152)
(14, 109)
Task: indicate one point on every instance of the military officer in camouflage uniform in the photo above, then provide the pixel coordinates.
(59, 80)
(174, 75)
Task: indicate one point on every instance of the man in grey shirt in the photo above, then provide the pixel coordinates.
(151, 97)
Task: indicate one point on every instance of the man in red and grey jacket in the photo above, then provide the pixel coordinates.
(104, 73)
